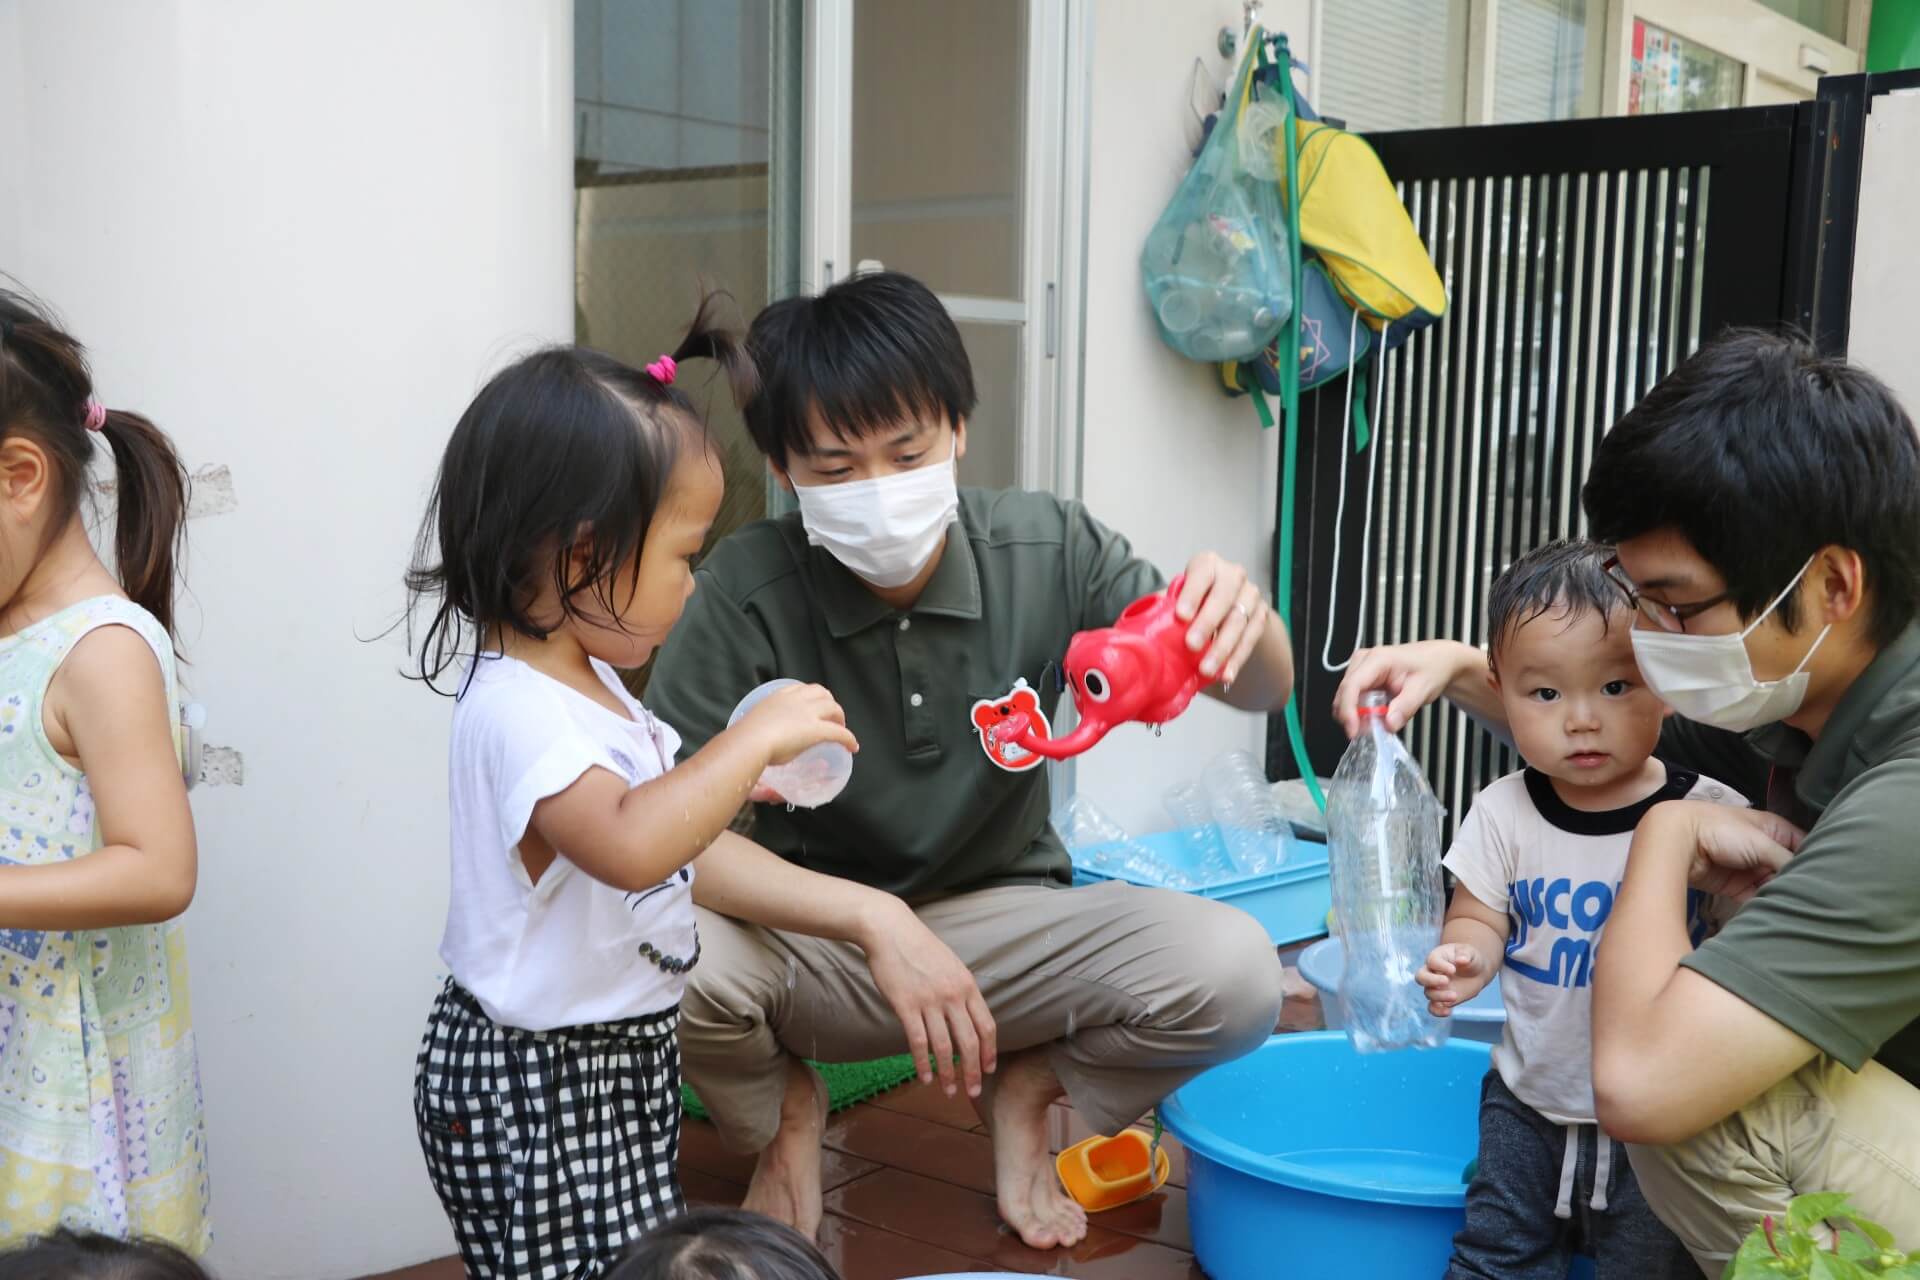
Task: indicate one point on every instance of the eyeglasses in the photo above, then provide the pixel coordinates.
(1667, 617)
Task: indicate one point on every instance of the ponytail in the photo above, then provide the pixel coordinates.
(708, 339)
(150, 511)
(46, 393)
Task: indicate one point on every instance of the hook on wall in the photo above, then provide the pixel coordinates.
(1229, 39)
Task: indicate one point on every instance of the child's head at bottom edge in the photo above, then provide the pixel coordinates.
(80, 1255)
(724, 1244)
(1561, 656)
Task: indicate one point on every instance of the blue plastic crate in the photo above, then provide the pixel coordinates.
(1291, 903)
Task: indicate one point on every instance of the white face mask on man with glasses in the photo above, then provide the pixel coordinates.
(1710, 679)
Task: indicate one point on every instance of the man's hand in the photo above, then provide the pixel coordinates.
(935, 997)
(1225, 613)
(1735, 851)
(1454, 974)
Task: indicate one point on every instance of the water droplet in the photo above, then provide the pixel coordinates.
(789, 808)
(1069, 1024)
(1156, 731)
(793, 972)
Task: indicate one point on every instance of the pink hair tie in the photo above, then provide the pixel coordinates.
(663, 370)
(96, 414)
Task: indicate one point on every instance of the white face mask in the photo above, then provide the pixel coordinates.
(884, 529)
(1710, 678)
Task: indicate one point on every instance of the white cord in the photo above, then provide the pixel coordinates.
(1340, 509)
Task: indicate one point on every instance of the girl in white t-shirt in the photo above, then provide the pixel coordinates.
(558, 547)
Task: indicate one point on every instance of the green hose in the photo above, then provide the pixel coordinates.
(1290, 409)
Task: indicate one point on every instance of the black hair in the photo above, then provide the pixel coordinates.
(1566, 575)
(863, 357)
(1759, 451)
(46, 394)
(724, 1244)
(84, 1255)
(561, 445)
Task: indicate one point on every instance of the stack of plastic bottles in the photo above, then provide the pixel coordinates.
(1226, 827)
(1098, 843)
(1250, 822)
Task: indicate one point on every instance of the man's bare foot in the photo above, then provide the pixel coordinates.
(1031, 1199)
(786, 1181)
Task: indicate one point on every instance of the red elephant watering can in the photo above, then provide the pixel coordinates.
(1139, 669)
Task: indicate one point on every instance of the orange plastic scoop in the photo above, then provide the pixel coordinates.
(1105, 1173)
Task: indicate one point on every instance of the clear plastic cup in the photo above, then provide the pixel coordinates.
(1181, 310)
(814, 777)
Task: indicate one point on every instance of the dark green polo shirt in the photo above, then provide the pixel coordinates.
(1830, 948)
(926, 812)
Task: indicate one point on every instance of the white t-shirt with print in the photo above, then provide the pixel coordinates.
(1556, 869)
(566, 951)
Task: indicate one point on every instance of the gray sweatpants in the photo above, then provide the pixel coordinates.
(1512, 1232)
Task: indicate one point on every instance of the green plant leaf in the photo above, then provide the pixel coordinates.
(1909, 1270)
(1818, 1207)
(1869, 1228)
(1829, 1266)
(1855, 1247)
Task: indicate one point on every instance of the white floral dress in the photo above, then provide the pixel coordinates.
(101, 1124)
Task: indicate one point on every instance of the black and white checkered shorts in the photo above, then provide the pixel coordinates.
(551, 1150)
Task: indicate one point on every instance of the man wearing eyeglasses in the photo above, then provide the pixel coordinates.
(1765, 507)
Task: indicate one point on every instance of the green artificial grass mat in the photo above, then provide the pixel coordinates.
(847, 1082)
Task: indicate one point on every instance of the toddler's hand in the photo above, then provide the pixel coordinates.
(798, 717)
(1446, 973)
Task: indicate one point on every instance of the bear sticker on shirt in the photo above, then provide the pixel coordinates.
(990, 711)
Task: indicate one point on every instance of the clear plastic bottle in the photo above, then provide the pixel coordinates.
(1206, 847)
(1242, 802)
(1100, 844)
(1383, 827)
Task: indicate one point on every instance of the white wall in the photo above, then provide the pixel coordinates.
(299, 235)
(1166, 457)
(1886, 270)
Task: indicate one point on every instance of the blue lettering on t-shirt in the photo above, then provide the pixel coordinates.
(1579, 912)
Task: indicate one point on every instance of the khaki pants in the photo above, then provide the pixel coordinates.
(1134, 991)
(1823, 1128)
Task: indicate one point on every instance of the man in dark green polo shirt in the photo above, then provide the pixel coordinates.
(1765, 504)
(928, 908)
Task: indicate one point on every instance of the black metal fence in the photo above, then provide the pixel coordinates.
(1583, 260)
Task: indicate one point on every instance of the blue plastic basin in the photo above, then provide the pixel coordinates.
(1305, 1158)
(1337, 1163)
(1482, 1018)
